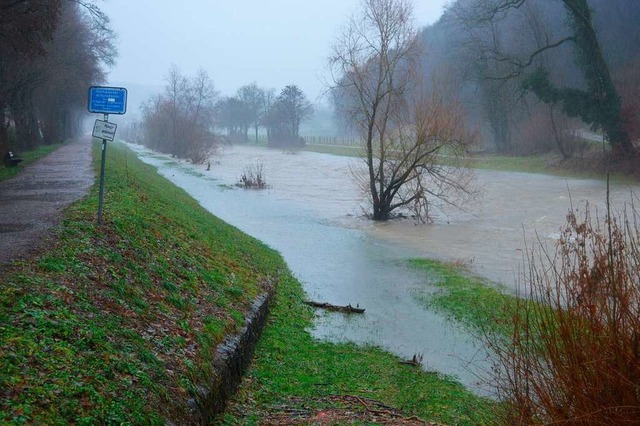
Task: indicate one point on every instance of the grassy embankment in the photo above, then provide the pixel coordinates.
(117, 324)
(28, 157)
(541, 163)
(292, 372)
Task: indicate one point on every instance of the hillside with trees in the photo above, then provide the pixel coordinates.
(541, 70)
(534, 74)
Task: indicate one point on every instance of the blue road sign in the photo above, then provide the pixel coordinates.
(107, 100)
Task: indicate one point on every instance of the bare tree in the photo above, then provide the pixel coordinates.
(296, 108)
(402, 125)
(253, 98)
(269, 101)
(199, 136)
(26, 25)
(234, 117)
(180, 121)
(50, 52)
(285, 115)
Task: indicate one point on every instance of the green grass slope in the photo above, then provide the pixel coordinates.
(116, 324)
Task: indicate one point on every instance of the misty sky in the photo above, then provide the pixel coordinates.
(272, 42)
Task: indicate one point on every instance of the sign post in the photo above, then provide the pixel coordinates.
(105, 100)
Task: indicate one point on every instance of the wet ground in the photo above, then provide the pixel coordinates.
(313, 214)
(32, 202)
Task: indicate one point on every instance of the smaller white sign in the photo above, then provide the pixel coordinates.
(104, 130)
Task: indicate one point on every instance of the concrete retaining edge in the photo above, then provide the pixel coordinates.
(230, 362)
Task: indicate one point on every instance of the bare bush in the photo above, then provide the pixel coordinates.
(574, 353)
(180, 121)
(546, 128)
(253, 177)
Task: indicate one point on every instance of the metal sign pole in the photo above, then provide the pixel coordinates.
(105, 100)
(102, 164)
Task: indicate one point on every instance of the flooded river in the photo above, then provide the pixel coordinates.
(313, 214)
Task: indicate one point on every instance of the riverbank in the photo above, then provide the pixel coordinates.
(119, 323)
(589, 165)
(296, 379)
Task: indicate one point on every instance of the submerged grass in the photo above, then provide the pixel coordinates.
(549, 164)
(293, 371)
(344, 151)
(28, 157)
(469, 299)
(526, 164)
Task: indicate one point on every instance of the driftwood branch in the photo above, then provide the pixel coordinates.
(416, 361)
(334, 308)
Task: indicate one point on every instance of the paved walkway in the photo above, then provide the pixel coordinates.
(32, 202)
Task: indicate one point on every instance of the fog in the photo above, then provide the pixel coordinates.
(273, 43)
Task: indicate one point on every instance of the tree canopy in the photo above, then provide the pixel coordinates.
(50, 53)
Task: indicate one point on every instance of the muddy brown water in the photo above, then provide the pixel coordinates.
(313, 214)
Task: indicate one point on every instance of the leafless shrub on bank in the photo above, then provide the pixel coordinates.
(253, 177)
(574, 356)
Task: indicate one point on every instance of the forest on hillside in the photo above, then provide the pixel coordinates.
(491, 65)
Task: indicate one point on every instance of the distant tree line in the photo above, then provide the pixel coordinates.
(51, 51)
(254, 107)
(190, 119)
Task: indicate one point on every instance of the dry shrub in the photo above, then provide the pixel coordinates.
(547, 129)
(627, 81)
(573, 356)
(535, 134)
(253, 177)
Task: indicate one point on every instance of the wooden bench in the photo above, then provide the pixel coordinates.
(10, 160)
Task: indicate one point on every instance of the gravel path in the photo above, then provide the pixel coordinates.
(32, 202)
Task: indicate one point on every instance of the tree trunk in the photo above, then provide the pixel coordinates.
(597, 75)
(4, 134)
(563, 151)
(381, 211)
